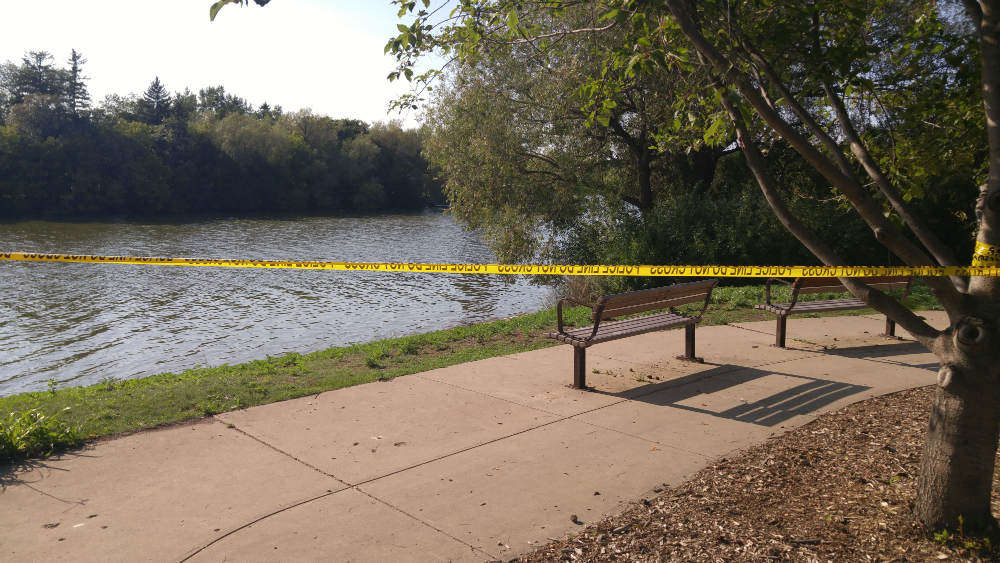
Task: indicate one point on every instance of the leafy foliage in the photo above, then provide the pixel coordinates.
(522, 126)
(31, 433)
(186, 152)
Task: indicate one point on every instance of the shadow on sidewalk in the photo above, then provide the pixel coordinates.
(802, 395)
(884, 354)
(13, 472)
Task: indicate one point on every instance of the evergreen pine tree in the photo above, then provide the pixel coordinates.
(155, 103)
(77, 97)
(36, 75)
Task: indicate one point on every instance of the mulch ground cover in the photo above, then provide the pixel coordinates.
(840, 488)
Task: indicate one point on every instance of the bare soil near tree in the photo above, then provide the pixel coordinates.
(840, 488)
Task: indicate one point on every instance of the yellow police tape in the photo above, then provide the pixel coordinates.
(986, 255)
(560, 270)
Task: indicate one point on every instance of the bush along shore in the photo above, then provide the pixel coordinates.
(38, 423)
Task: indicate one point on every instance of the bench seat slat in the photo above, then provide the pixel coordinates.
(651, 300)
(676, 288)
(610, 313)
(612, 306)
(613, 330)
(652, 297)
(840, 288)
(833, 285)
(815, 306)
(823, 285)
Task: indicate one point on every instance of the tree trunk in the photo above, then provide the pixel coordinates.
(644, 178)
(704, 161)
(956, 472)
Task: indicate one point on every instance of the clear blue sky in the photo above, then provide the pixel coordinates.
(323, 54)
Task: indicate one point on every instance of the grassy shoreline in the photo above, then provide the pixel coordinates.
(36, 423)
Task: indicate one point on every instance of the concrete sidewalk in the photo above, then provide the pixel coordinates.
(475, 462)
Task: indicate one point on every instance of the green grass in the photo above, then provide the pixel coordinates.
(37, 423)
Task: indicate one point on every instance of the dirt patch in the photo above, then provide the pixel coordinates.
(838, 489)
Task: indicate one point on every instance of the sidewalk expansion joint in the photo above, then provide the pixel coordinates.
(661, 444)
(456, 452)
(288, 455)
(425, 523)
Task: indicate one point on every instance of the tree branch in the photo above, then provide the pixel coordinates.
(560, 34)
(800, 112)
(755, 160)
(975, 12)
(881, 302)
(942, 253)
(885, 232)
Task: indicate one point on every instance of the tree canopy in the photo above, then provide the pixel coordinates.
(163, 152)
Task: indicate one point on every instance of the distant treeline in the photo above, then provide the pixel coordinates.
(61, 155)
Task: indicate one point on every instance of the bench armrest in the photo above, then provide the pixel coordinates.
(708, 297)
(767, 288)
(559, 310)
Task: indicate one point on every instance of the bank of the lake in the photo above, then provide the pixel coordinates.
(66, 416)
(78, 323)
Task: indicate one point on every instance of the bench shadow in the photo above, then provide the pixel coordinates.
(884, 354)
(805, 395)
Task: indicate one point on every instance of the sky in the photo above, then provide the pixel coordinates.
(321, 54)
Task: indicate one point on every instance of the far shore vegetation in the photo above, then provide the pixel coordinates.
(63, 155)
(38, 423)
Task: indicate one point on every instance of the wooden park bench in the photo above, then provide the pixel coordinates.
(802, 286)
(610, 307)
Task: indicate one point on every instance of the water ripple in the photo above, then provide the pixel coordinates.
(77, 323)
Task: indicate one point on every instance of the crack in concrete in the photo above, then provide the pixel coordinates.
(198, 550)
(750, 329)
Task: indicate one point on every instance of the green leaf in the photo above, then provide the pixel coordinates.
(632, 62)
(512, 19)
(214, 9)
(644, 42)
(713, 128)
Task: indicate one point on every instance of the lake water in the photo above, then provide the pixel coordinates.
(78, 323)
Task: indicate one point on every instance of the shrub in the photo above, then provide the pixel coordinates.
(32, 433)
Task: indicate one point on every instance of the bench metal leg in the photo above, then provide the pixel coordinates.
(689, 346)
(579, 367)
(779, 337)
(890, 327)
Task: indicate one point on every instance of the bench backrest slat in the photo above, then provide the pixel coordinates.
(833, 285)
(653, 299)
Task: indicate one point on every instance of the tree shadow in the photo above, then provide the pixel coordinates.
(885, 354)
